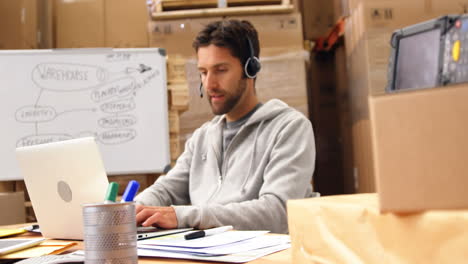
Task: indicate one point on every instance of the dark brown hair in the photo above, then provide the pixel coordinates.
(231, 34)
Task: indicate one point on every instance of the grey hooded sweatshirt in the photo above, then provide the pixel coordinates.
(269, 161)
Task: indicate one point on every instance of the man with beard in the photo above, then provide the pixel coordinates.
(241, 167)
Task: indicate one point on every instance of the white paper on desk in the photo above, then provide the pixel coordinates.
(232, 248)
(178, 240)
(232, 258)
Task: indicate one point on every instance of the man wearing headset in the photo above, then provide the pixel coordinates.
(241, 167)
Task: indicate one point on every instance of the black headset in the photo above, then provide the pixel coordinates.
(251, 67)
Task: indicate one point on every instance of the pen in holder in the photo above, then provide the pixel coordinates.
(110, 233)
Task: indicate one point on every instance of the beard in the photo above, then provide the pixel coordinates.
(231, 99)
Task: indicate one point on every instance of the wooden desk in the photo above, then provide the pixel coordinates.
(282, 257)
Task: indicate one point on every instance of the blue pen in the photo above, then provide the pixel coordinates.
(130, 191)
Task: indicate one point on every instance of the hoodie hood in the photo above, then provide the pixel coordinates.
(269, 110)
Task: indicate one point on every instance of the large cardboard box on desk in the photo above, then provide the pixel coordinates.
(12, 208)
(350, 229)
(420, 146)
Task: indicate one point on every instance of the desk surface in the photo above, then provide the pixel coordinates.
(281, 257)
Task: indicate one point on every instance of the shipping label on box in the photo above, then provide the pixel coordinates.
(390, 14)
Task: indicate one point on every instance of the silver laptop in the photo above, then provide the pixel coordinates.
(60, 177)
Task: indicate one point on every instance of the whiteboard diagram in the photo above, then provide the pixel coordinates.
(117, 96)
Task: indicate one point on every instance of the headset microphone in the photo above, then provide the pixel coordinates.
(201, 89)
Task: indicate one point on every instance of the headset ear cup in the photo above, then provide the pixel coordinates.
(252, 67)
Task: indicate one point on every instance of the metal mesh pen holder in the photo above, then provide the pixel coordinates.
(110, 233)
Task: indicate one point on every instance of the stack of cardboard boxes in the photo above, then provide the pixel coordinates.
(342, 80)
(31, 24)
(178, 102)
(100, 23)
(368, 31)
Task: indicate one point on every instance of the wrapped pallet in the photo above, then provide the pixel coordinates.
(350, 229)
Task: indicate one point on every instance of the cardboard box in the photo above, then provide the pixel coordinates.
(319, 16)
(25, 24)
(7, 186)
(174, 122)
(367, 35)
(420, 148)
(178, 96)
(277, 33)
(175, 146)
(18, 19)
(12, 208)
(101, 23)
(176, 70)
(350, 229)
(79, 24)
(281, 77)
(126, 24)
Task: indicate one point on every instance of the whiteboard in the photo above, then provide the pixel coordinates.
(118, 96)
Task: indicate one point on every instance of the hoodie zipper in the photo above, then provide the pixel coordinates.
(222, 171)
(223, 167)
(218, 187)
